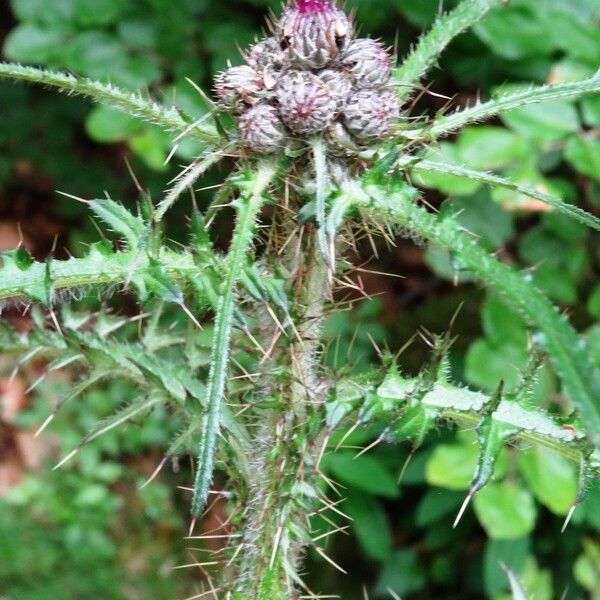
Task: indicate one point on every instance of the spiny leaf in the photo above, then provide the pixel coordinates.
(414, 405)
(115, 420)
(120, 220)
(444, 30)
(570, 357)
(39, 281)
(133, 104)
(446, 124)
(489, 179)
(98, 374)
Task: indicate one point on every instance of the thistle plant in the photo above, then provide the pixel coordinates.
(317, 122)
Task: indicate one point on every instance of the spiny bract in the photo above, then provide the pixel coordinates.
(312, 76)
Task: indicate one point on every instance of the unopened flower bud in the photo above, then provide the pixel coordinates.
(305, 103)
(266, 54)
(371, 114)
(261, 129)
(313, 32)
(338, 84)
(238, 88)
(368, 63)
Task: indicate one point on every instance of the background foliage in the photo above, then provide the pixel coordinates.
(86, 529)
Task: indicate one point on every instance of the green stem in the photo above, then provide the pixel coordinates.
(321, 184)
(187, 180)
(566, 349)
(248, 205)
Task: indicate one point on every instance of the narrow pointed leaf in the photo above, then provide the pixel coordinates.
(493, 180)
(447, 124)
(120, 220)
(133, 104)
(426, 54)
(248, 205)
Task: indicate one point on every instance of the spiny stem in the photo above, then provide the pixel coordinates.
(321, 183)
(444, 30)
(137, 106)
(249, 204)
(272, 541)
(44, 279)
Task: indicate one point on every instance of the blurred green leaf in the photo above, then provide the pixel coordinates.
(482, 217)
(32, 44)
(536, 583)
(90, 13)
(104, 125)
(571, 34)
(437, 504)
(590, 504)
(514, 33)
(402, 574)
(545, 122)
(152, 146)
(369, 523)
(501, 324)
(448, 184)
(364, 472)
(421, 14)
(57, 13)
(584, 155)
(487, 364)
(551, 477)
(587, 568)
(451, 466)
(517, 591)
(486, 147)
(591, 110)
(505, 510)
(511, 553)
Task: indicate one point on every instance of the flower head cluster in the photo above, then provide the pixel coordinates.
(311, 76)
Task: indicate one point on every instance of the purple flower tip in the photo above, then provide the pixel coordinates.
(313, 6)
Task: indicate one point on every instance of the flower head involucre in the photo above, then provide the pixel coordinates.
(368, 63)
(261, 129)
(238, 87)
(306, 104)
(313, 32)
(371, 114)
